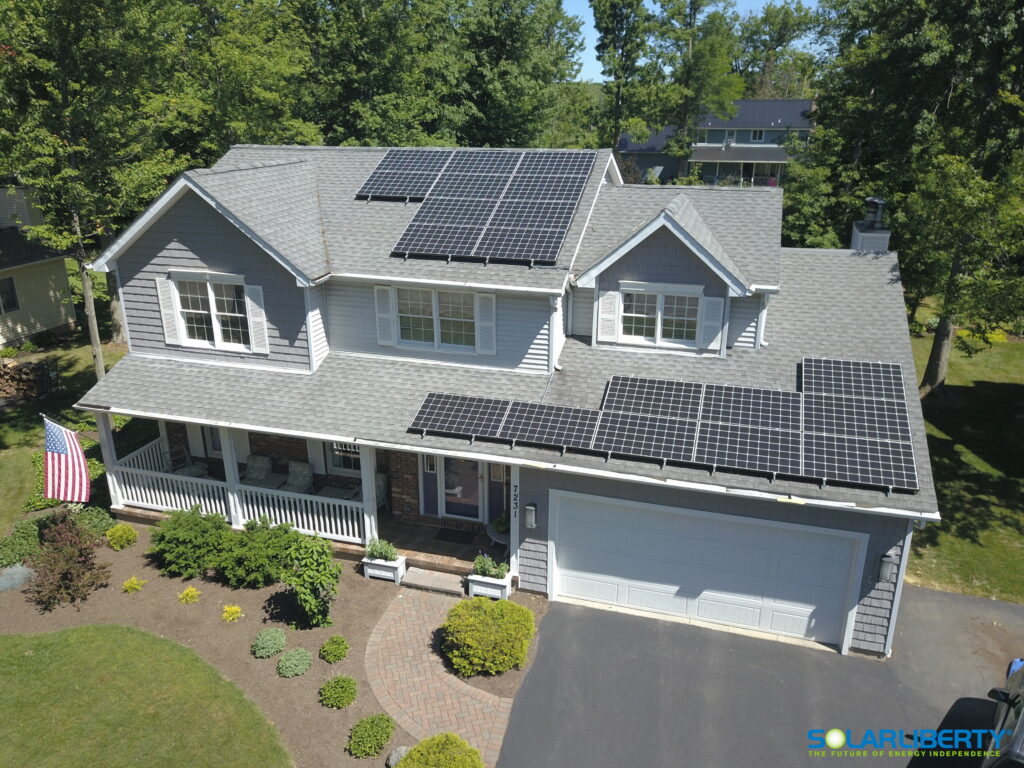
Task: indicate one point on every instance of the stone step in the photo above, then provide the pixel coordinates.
(434, 581)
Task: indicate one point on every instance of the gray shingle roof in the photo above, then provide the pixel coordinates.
(834, 303)
(764, 113)
(16, 250)
(747, 223)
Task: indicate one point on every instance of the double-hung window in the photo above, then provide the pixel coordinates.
(8, 296)
(436, 319)
(757, 134)
(343, 459)
(213, 312)
(664, 315)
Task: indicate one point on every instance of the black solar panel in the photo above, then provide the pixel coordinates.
(556, 164)
(446, 211)
(469, 186)
(657, 397)
(405, 174)
(566, 188)
(550, 425)
(650, 437)
(853, 377)
(411, 159)
(736, 446)
(438, 240)
(493, 161)
(860, 461)
(533, 245)
(461, 415)
(856, 417)
(534, 214)
(769, 408)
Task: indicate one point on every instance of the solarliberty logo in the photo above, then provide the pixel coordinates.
(886, 742)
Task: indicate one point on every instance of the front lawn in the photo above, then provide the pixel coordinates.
(975, 438)
(115, 696)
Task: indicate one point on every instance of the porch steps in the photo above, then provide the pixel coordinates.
(434, 581)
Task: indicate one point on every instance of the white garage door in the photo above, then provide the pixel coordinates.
(785, 579)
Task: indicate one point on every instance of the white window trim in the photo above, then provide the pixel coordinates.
(208, 433)
(14, 287)
(333, 470)
(661, 290)
(209, 278)
(437, 345)
(759, 140)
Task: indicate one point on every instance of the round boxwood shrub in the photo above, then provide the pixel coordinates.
(294, 662)
(338, 692)
(445, 750)
(487, 636)
(121, 536)
(269, 642)
(334, 649)
(370, 735)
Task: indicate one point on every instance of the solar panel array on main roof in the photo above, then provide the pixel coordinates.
(852, 377)
(829, 438)
(405, 174)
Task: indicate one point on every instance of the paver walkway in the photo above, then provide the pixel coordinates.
(412, 684)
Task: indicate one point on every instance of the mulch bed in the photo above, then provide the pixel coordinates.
(314, 735)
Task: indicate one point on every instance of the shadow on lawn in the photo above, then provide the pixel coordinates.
(983, 419)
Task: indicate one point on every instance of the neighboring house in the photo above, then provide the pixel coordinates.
(34, 292)
(743, 150)
(371, 349)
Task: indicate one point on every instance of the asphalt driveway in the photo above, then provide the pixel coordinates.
(609, 689)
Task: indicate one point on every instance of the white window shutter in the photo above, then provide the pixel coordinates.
(712, 315)
(168, 310)
(385, 315)
(485, 314)
(257, 320)
(196, 446)
(608, 316)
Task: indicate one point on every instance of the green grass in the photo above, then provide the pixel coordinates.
(975, 427)
(114, 696)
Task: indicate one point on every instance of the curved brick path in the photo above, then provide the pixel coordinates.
(412, 685)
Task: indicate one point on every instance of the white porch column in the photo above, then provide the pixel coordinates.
(106, 433)
(228, 454)
(513, 523)
(368, 478)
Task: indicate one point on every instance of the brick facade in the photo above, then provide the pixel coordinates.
(177, 437)
(403, 471)
(280, 448)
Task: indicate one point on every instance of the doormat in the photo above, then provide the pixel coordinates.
(455, 536)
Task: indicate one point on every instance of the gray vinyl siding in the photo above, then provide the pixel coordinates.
(522, 329)
(743, 314)
(581, 323)
(662, 258)
(771, 136)
(193, 236)
(318, 324)
(886, 535)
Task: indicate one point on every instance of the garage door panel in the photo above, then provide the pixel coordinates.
(735, 571)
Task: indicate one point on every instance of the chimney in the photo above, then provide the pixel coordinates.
(869, 234)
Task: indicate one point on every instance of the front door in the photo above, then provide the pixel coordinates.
(462, 483)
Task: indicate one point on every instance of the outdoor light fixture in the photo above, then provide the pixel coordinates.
(531, 515)
(888, 568)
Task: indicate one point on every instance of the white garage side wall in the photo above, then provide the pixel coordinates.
(855, 571)
(876, 598)
(43, 303)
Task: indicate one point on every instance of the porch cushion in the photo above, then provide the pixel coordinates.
(300, 477)
(257, 467)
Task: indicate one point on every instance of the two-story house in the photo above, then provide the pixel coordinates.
(746, 149)
(34, 292)
(672, 412)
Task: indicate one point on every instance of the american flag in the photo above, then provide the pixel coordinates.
(66, 472)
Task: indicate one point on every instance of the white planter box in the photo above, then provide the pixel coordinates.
(485, 586)
(392, 570)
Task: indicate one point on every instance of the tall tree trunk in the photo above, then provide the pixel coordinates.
(117, 329)
(87, 299)
(938, 359)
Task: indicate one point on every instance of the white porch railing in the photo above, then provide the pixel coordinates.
(160, 491)
(151, 457)
(323, 516)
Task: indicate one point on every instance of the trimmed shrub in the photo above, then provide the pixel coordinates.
(122, 536)
(65, 567)
(232, 613)
(269, 642)
(381, 549)
(187, 543)
(444, 750)
(256, 557)
(294, 662)
(484, 636)
(133, 584)
(483, 565)
(370, 735)
(338, 692)
(188, 596)
(96, 520)
(313, 577)
(334, 649)
(22, 542)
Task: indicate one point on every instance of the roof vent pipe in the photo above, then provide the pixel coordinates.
(874, 210)
(869, 234)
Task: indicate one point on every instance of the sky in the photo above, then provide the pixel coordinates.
(591, 69)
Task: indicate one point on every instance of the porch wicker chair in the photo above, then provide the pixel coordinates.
(258, 472)
(300, 477)
(179, 462)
